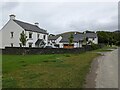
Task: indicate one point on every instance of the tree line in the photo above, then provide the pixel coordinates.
(109, 38)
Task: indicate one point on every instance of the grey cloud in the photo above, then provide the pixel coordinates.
(61, 17)
(9, 5)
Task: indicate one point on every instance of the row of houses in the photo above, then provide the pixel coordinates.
(38, 37)
(79, 39)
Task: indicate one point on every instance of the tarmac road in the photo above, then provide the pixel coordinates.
(107, 72)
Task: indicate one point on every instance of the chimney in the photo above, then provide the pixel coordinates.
(12, 16)
(75, 32)
(37, 24)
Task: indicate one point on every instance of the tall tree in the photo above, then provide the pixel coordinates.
(23, 38)
(71, 39)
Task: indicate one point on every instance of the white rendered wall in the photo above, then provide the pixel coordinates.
(76, 45)
(95, 41)
(0, 39)
(11, 26)
(61, 45)
(35, 38)
(57, 41)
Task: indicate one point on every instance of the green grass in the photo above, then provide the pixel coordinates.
(105, 49)
(46, 71)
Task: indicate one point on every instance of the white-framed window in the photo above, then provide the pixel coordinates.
(30, 35)
(38, 36)
(11, 34)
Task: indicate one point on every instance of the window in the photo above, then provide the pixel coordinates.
(11, 44)
(11, 34)
(44, 37)
(37, 36)
(30, 44)
(87, 39)
(30, 35)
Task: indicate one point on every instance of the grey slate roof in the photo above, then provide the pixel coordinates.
(39, 41)
(79, 37)
(53, 37)
(30, 27)
(91, 35)
(76, 37)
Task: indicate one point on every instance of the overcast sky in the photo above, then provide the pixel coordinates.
(58, 17)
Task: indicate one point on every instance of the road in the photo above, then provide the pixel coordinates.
(107, 72)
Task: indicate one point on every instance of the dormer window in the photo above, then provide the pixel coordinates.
(12, 34)
(30, 35)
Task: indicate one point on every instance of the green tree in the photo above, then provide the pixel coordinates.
(23, 38)
(85, 41)
(71, 39)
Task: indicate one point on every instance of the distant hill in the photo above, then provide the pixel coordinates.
(72, 32)
(117, 31)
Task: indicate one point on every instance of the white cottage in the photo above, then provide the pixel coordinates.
(36, 36)
(62, 40)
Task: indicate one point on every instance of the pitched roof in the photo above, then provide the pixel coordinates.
(79, 37)
(39, 41)
(53, 37)
(91, 35)
(76, 37)
(30, 27)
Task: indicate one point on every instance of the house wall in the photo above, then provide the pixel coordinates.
(61, 45)
(0, 39)
(35, 38)
(95, 41)
(58, 40)
(76, 45)
(11, 26)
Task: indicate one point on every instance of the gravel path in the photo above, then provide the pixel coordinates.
(107, 72)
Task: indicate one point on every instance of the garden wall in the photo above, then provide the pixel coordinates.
(27, 50)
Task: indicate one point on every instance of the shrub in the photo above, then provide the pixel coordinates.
(95, 46)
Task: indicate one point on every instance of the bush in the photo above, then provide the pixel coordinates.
(95, 46)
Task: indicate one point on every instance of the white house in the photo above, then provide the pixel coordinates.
(62, 40)
(91, 37)
(36, 36)
(54, 41)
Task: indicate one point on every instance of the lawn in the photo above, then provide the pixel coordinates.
(106, 49)
(46, 71)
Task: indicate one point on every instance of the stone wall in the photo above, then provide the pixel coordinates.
(27, 50)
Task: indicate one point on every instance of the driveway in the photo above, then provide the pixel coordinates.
(107, 72)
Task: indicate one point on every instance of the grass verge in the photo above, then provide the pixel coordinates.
(46, 71)
(106, 49)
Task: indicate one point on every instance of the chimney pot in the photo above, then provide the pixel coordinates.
(36, 23)
(12, 16)
(75, 32)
